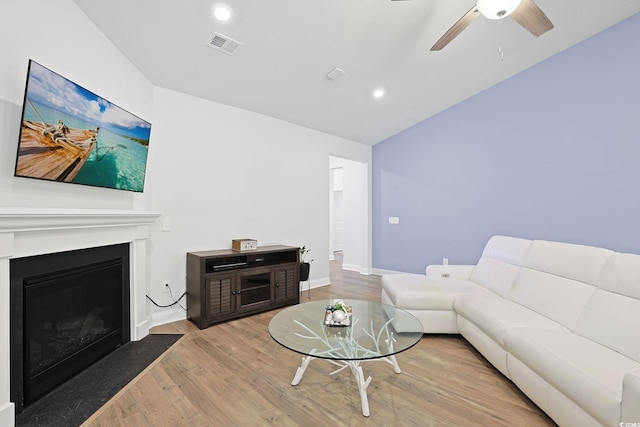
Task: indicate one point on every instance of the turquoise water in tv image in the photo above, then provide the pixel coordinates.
(117, 161)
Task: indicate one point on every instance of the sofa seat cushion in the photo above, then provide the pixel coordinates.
(420, 292)
(493, 315)
(588, 373)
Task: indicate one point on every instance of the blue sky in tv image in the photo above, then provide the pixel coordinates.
(51, 89)
(120, 157)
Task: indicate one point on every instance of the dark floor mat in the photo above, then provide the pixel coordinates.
(77, 399)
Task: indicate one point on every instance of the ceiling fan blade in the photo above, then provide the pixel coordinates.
(456, 29)
(532, 18)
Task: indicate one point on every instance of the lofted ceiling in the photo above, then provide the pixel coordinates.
(289, 47)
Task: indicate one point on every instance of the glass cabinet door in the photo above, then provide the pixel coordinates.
(254, 289)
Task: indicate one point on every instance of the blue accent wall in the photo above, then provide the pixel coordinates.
(552, 153)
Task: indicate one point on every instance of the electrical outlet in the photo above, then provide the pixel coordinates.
(165, 286)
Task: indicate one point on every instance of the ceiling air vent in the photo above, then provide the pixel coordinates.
(224, 44)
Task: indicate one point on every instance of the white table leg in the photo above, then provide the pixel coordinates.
(362, 387)
(392, 359)
(357, 372)
(394, 363)
(300, 371)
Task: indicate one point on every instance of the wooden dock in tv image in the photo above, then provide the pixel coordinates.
(53, 151)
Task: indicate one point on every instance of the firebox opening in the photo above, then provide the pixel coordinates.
(75, 310)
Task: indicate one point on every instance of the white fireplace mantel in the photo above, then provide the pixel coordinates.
(36, 231)
(38, 219)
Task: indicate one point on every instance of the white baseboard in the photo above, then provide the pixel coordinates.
(358, 269)
(167, 316)
(382, 272)
(141, 330)
(351, 267)
(315, 283)
(321, 282)
(366, 271)
(7, 414)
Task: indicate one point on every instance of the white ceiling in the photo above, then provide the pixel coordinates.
(289, 46)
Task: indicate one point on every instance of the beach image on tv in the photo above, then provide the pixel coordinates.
(70, 134)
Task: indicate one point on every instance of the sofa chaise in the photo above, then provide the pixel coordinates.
(560, 320)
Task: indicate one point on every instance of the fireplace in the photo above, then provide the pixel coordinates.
(27, 232)
(68, 310)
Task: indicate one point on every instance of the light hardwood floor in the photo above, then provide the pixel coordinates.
(234, 374)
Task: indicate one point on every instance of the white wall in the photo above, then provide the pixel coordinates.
(220, 173)
(217, 172)
(60, 37)
(336, 218)
(356, 205)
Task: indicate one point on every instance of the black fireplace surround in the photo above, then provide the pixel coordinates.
(68, 310)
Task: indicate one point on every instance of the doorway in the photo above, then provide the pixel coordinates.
(349, 213)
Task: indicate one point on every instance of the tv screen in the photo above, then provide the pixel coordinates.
(70, 134)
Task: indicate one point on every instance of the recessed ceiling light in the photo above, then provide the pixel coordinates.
(378, 93)
(222, 12)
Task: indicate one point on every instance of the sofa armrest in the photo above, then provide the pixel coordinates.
(454, 271)
(631, 397)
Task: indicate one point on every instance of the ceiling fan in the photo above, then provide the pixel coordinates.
(525, 12)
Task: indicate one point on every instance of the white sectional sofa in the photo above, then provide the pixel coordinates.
(562, 321)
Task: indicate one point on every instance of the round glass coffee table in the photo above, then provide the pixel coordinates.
(376, 332)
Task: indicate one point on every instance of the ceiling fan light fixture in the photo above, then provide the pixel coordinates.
(497, 9)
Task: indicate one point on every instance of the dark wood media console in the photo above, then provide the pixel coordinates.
(225, 284)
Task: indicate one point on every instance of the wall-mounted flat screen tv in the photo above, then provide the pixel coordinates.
(70, 134)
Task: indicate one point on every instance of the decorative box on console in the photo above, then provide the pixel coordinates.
(244, 244)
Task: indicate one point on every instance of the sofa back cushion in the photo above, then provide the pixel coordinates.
(558, 279)
(611, 316)
(568, 260)
(500, 263)
(554, 297)
(621, 274)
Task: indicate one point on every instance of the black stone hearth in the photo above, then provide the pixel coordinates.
(74, 401)
(68, 310)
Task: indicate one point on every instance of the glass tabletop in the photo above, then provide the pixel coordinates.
(373, 332)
